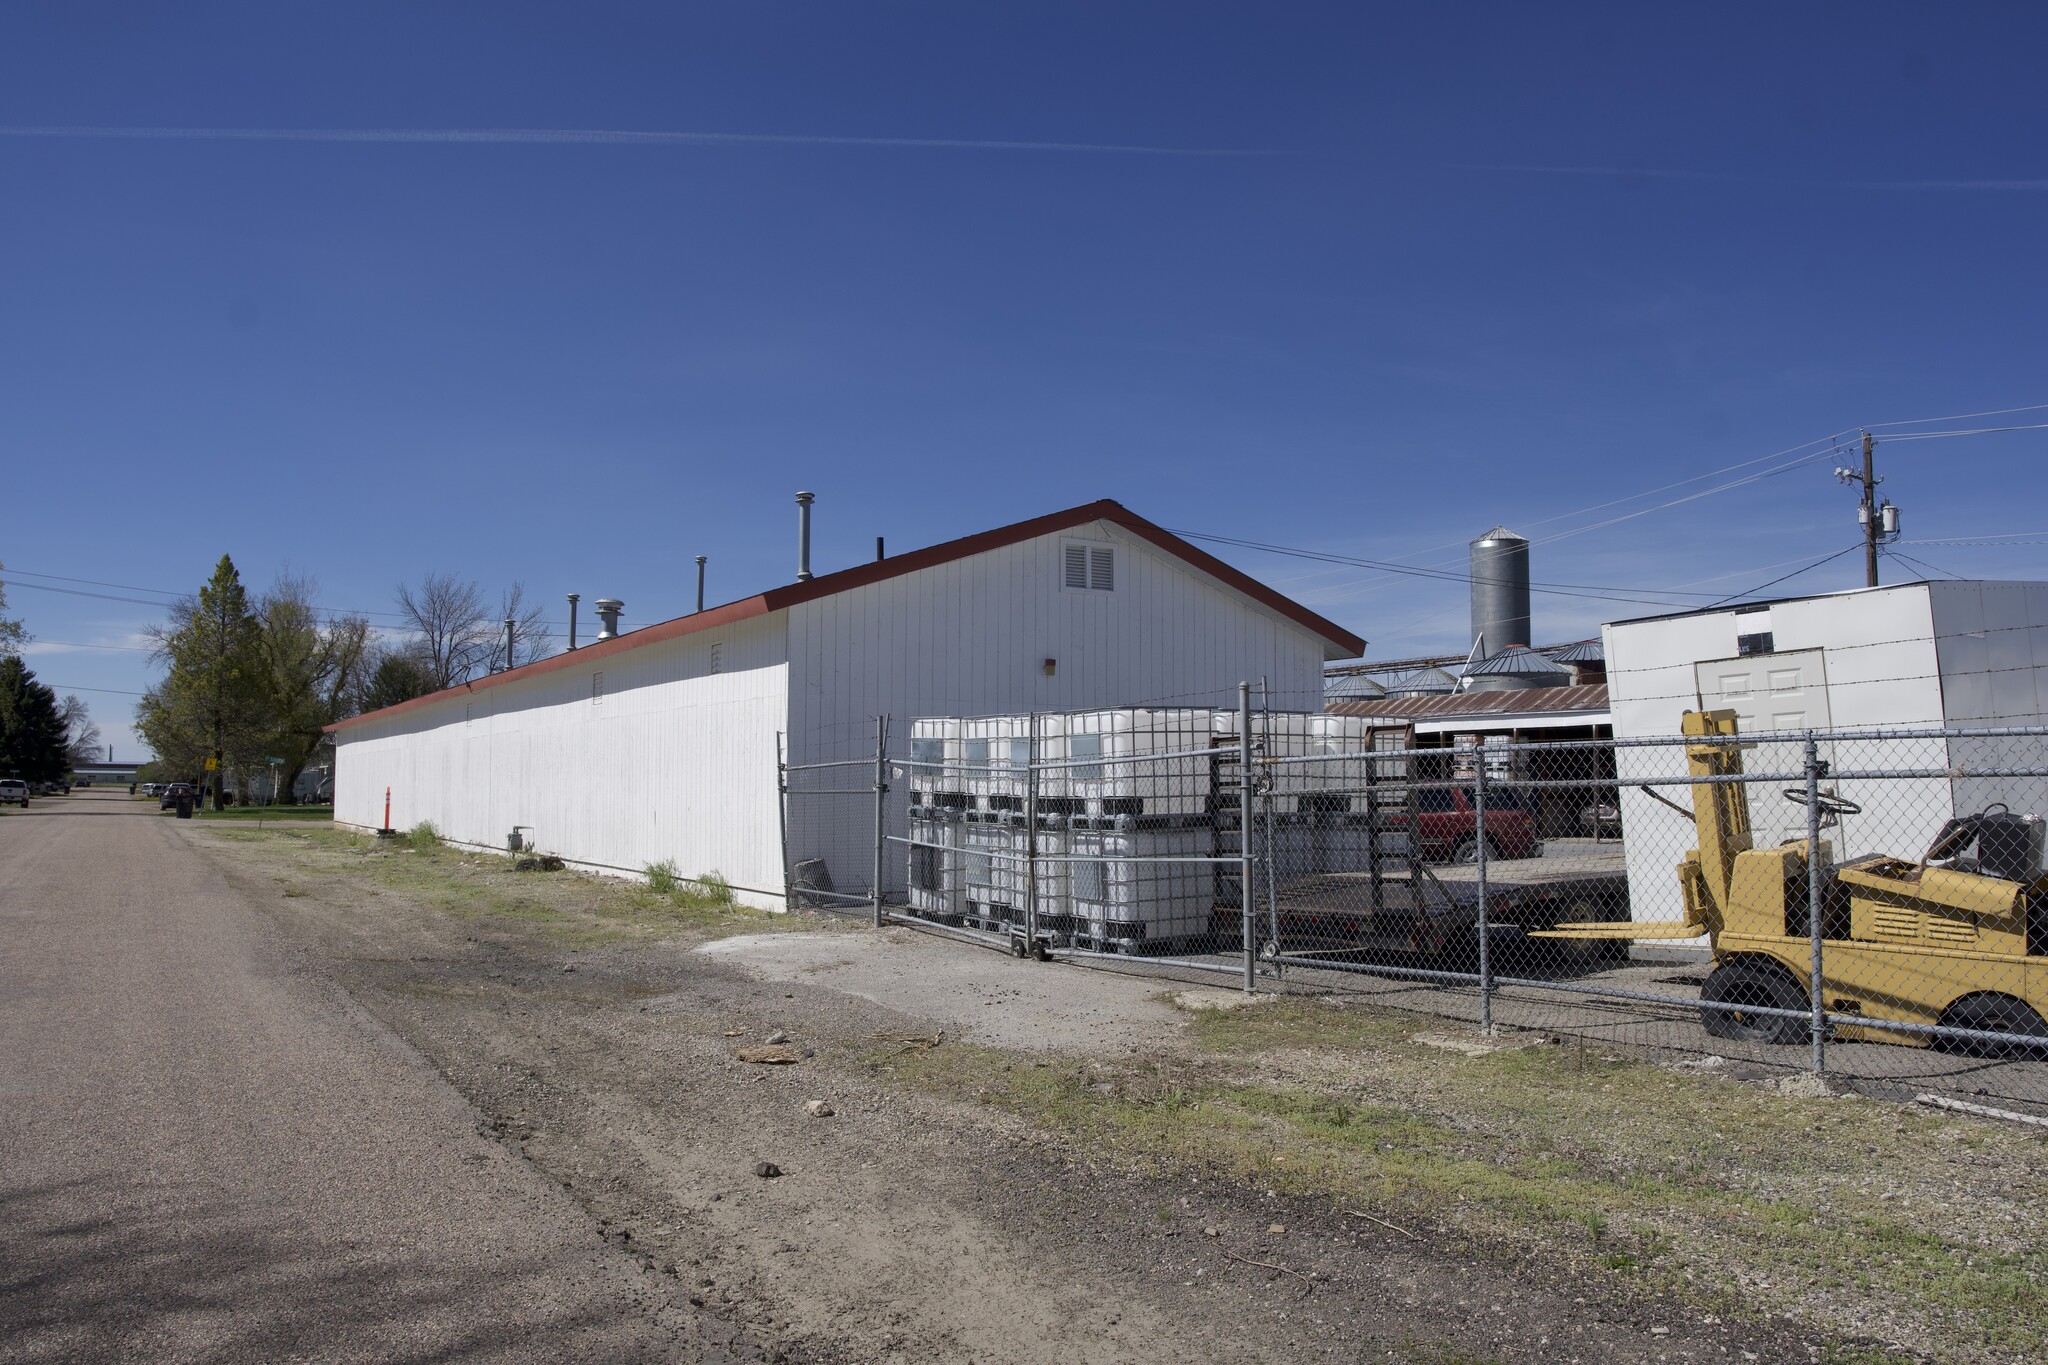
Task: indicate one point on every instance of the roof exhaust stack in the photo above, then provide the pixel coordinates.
(608, 609)
(574, 598)
(879, 554)
(803, 536)
(510, 627)
(700, 582)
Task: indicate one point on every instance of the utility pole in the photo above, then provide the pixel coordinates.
(1880, 520)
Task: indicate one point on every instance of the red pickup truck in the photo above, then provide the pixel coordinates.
(1444, 829)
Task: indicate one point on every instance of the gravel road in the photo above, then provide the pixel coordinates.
(212, 1154)
(271, 1100)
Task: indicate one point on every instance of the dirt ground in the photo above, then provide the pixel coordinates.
(933, 1215)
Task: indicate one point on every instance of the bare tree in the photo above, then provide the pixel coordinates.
(532, 636)
(455, 637)
(450, 624)
(82, 737)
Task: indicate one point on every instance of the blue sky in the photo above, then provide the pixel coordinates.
(1387, 276)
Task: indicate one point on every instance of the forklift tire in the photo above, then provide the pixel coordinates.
(1989, 1012)
(1757, 984)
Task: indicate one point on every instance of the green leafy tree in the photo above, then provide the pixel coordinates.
(399, 677)
(31, 729)
(312, 673)
(212, 702)
(13, 635)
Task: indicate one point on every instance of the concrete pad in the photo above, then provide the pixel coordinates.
(975, 994)
(1477, 1045)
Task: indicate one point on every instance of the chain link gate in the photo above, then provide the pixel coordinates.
(1868, 905)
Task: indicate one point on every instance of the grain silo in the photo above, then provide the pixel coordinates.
(1500, 591)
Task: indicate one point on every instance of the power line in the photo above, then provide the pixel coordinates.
(1783, 577)
(80, 644)
(1963, 431)
(1555, 589)
(1958, 417)
(1920, 564)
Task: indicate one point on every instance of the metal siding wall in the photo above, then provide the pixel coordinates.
(970, 638)
(1881, 672)
(675, 763)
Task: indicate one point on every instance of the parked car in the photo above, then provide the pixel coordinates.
(13, 792)
(1444, 828)
(168, 798)
(1600, 819)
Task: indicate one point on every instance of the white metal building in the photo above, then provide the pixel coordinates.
(661, 743)
(1920, 655)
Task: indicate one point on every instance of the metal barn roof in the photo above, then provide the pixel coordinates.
(881, 570)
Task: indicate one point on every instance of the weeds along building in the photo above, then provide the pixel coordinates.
(661, 744)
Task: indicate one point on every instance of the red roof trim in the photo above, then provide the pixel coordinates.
(881, 570)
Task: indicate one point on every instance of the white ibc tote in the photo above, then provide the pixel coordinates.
(995, 759)
(992, 878)
(1055, 878)
(1102, 763)
(1125, 902)
(936, 880)
(934, 744)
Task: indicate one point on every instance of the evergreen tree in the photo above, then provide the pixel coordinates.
(212, 701)
(398, 678)
(32, 731)
(12, 634)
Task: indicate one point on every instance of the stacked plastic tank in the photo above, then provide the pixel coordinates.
(1123, 832)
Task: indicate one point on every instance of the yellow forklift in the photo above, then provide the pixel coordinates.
(1948, 940)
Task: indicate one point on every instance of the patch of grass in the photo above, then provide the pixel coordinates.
(265, 814)
(664, 878)
(1711, 1189)
(569, 909)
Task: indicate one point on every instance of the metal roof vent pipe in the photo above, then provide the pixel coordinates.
(803, 536)
(574, 598)
(608, 609)
(700, 581)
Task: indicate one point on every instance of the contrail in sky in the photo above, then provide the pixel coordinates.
(1737, 177)
(604, 137)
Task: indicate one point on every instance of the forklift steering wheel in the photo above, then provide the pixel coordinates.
(1826, 803)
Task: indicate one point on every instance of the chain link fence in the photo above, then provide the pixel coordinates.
(1867, 905)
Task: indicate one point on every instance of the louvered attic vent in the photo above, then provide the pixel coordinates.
(1089, 568)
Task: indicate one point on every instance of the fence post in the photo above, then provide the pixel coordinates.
(1479, 882)
(781, 815)
(1031, 839)
(1247, 910)
(1266, 841)
(1813, 905)
(881, 809)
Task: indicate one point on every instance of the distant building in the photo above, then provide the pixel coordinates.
(660, 744)
(1953, 653)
